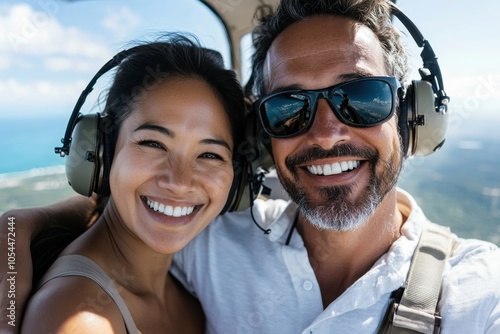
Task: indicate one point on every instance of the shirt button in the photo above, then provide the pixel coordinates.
(307, 285)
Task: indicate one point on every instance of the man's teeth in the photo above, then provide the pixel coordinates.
(334, 168)
(168, 210)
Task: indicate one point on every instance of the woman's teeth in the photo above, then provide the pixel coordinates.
(168, 210)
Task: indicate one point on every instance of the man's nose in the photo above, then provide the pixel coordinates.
(326, 130)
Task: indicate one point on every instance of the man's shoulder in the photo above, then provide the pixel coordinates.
(470, 294)
(239, 229)
(475, 266)
(230, 242)
(473, 252)
(263, 212)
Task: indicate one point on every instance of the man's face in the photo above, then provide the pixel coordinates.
(338, 174)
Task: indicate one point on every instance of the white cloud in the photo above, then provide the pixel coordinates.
(58, 64)
(24, 99)
(34, 45)
(474, 102)
(478, 86)
(27, 31)
(121, 22)
(5, 62)
(477, 91)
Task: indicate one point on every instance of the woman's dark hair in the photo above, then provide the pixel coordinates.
(149, 64)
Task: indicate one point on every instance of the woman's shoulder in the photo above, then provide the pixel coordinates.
(72, 304)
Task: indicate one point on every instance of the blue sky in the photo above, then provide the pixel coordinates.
(49, 49)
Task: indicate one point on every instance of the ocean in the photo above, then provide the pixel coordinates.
(28, 144)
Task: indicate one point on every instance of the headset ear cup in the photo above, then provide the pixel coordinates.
(261, 143)
(430, 125)
(405, 111)
(240, 177)
(106, 130)
(247, 154)
(83, 167)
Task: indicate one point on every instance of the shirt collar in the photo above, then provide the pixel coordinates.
(276, 215)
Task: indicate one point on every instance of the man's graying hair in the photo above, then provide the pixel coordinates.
(375, 14)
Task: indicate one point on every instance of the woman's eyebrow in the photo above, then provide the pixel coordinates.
(171, 134)
(157, 128)
(220, 142)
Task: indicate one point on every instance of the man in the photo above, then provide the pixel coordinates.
(336, 253)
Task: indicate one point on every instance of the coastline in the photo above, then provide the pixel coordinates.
(34, 187)
(49, 170)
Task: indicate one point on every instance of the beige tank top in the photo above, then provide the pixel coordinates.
(78, 265)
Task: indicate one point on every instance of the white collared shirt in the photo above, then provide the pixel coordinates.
(249, 282)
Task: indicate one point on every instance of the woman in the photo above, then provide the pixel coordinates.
(173, 141)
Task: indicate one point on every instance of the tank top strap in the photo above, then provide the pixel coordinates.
(78, 265)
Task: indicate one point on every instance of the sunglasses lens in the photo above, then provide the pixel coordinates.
(363, 103)
(286, 114)
(359, 103)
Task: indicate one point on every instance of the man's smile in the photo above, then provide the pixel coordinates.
(333, 168)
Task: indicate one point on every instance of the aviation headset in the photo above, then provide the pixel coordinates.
(87, 147)
(423, 114)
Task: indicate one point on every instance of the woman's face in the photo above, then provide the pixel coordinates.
(172, 168)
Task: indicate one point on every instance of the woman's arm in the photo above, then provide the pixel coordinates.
(18, 228)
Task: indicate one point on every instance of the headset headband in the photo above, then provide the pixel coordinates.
(116, 60)
(430, 71)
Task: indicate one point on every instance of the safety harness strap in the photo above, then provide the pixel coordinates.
(417, 312)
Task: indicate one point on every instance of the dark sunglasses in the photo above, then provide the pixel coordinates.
(360, 103)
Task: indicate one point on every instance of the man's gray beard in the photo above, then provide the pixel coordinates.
(337, 213)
